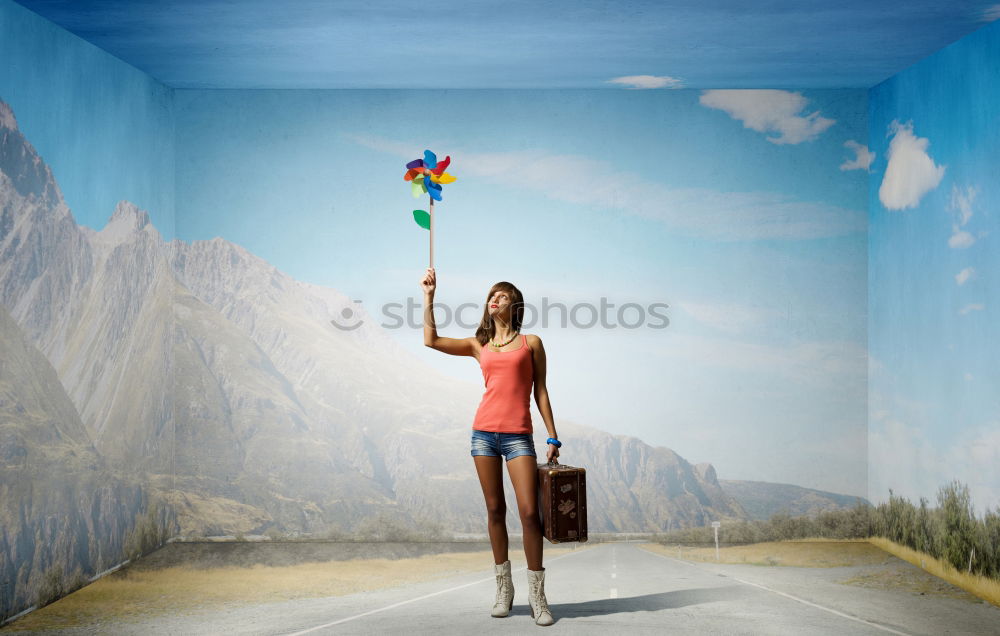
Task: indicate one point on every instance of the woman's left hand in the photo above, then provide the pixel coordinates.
(553, 452)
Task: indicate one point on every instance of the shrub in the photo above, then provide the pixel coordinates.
(950, 532)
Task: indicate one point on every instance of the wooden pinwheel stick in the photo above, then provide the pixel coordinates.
(432, 230)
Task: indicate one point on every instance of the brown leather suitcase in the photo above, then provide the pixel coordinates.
(562, 502)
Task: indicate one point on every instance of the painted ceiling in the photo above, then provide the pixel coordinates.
(533, 44)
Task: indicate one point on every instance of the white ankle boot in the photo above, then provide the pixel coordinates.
(536, 598)
(505, 590)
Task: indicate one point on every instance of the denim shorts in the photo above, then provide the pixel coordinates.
(509, 445)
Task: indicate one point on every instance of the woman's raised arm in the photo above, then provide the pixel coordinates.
(453, 346)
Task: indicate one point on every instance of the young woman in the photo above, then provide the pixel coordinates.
(511, 362)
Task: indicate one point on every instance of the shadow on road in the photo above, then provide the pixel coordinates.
(644, 603)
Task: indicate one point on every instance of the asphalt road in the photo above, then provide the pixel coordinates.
(611, 588)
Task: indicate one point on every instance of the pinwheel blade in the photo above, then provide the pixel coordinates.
(422, 218)
(430, 160)
(417, 188)
(410, 174)
(416, 163)
(442, 165)
(433, 189)
(443, 178)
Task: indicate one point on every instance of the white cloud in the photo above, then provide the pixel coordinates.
(901, 457)
(960, 205)
(960, 239)
(567, 290)
(965, 275)
(910, 173)
(961, 202)
(710, 214)
(837, 367)
(971, 307)
(729, 317)
(862, 156)
(647, 81)
(769, 111)
(991, 13)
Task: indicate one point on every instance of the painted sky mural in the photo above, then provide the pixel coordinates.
(789, 286)
(935, 387)
(787, 44)
(744, 211)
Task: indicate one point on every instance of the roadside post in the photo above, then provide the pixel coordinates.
(715, 528)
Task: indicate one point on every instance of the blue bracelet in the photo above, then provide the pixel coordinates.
(554, 442)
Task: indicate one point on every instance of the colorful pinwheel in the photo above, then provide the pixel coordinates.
(427, 175)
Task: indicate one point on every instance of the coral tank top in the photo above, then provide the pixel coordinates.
(508, 376)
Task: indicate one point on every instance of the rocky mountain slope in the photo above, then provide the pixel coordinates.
(762, 499)
(64, 514)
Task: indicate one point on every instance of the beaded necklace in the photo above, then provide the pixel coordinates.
(497, 347)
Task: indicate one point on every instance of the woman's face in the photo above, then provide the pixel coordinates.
(499, 303)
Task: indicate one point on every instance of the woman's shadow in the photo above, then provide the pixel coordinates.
(644, 603)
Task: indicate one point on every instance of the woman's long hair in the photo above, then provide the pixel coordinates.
(487, 327)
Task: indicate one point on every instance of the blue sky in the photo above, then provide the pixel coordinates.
(729, 206)
(935, 388)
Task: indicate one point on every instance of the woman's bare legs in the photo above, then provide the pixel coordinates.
(524, 475)
(491, 479)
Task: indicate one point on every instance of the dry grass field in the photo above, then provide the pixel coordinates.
(148, 593)
(984, 588)
(820, 553)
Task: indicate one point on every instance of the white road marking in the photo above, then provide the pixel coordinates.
(614, 575)
(825, 609)
(419, 598)
(794, 598)
(614, 592)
